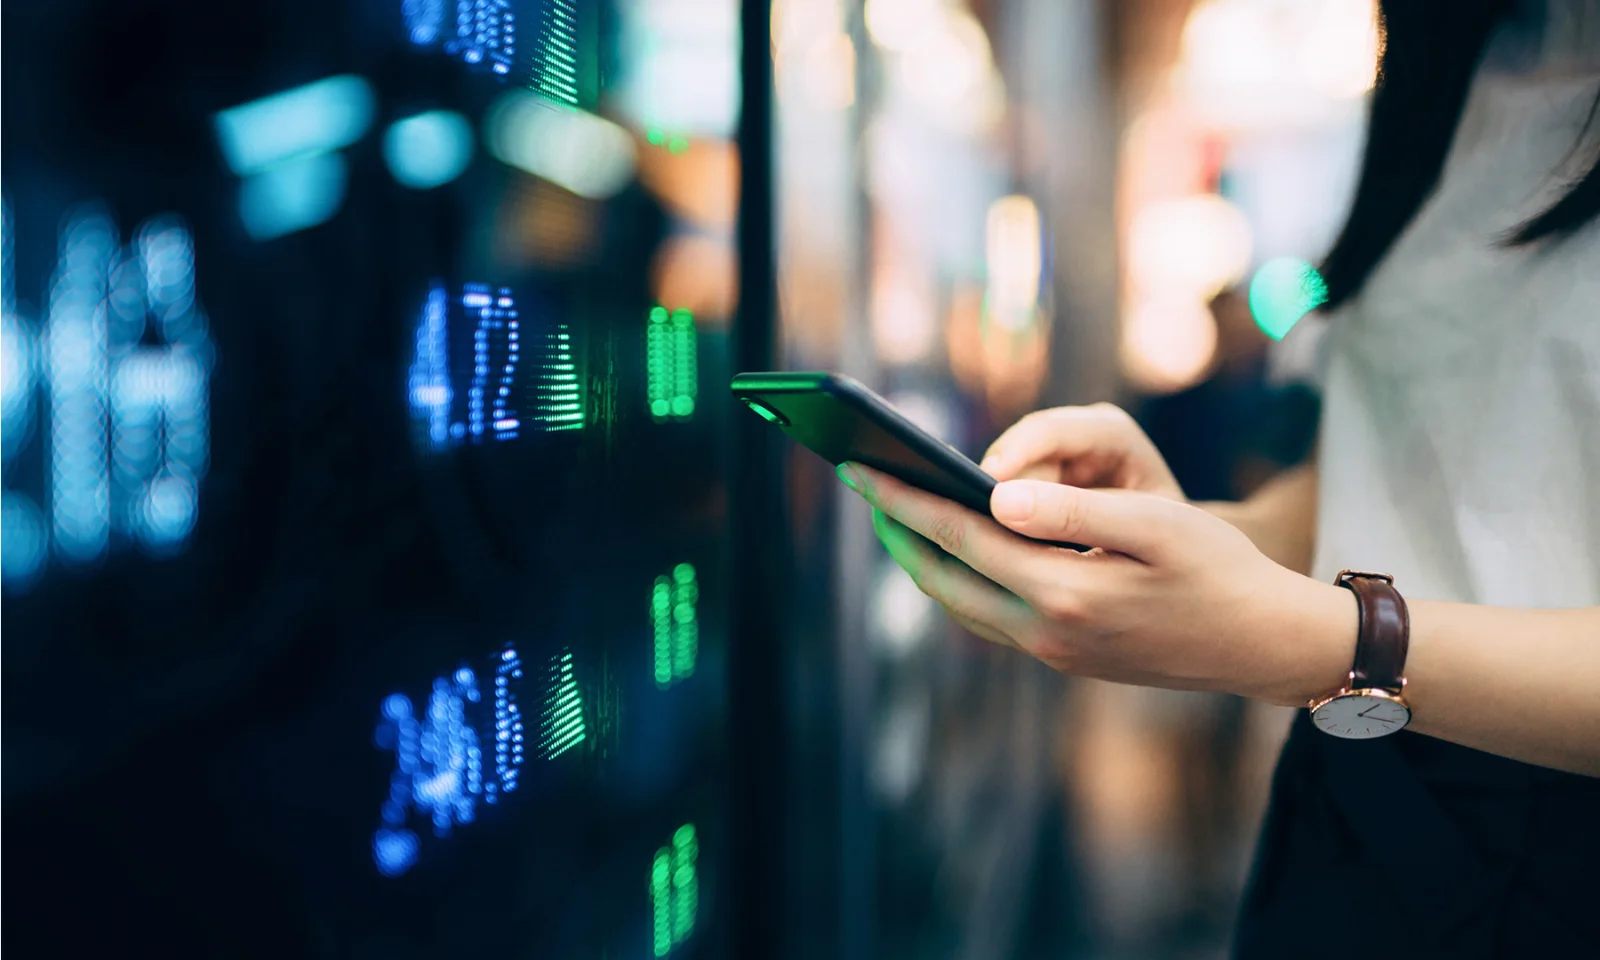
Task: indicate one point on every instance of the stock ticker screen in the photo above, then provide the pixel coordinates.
(362, 517)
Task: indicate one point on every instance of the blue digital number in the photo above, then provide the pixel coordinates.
(509, 737)
(496, 314)
(438, 770)
(439, 758)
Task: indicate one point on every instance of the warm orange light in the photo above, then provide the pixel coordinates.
(1005, 367)
(698, 274)
(700, 185)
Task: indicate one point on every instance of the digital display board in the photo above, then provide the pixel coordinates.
(364, 523)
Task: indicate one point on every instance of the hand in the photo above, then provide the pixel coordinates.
(1095, 446)
(1170, 596)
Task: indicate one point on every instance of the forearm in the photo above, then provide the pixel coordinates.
(1280, 518)
(1520, 683)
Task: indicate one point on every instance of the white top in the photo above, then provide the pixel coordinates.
(1460, 440)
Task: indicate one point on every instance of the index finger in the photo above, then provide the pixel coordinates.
(1062, 434)
(978, 541)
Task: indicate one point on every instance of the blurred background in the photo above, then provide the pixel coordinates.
(386, 571)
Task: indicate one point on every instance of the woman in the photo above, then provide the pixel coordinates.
(1459, 455)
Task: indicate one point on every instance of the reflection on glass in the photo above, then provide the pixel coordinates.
(670, 364)
(283, 146)
(125, 363)
(674, 890)
(555, 54)
(429, 149)
(438, 772)
(520, 377)
(578, 151)
(674, 620)
(562, 725)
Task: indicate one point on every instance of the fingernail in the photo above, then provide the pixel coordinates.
(1012, 501)
(848, 473)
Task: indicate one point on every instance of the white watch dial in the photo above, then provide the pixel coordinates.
(1361, 716)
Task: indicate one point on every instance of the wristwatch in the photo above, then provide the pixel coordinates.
(1371, 703)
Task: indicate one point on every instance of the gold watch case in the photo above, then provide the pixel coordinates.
(1361, 713)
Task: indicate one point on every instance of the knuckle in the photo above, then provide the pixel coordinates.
(1061, 606)
(1071, 517)
(948, 532)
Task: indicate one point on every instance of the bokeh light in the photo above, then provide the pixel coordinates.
(292, 196)
(1340, 56)
(1168, 343)
(948, 58)
(23, 538)
(424, 20)
(1015, 258)
(429, 149)
(903, 314)
(699, 184)
(316, 118)
(671, 364)
(897, 24)
(902, 614)
(674, 617)
(583, 153)
(698, 273)
(1197, 245)
(1283, 290)
(77, 368)
(675, 890)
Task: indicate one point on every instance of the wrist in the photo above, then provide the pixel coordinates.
(1315, 642)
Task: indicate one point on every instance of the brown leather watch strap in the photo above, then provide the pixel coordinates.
(1385, 632)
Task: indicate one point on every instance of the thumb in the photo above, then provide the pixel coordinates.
(1122, 521)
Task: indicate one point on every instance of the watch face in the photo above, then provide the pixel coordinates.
(1361, 715)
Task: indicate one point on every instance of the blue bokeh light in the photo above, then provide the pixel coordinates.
(485, 35)
(316, 118)
(424, 20)
(394, 851)
(438, 767)
(429, 149)
(284, 147)
(23, 538)
(292, 196)
(431, 394)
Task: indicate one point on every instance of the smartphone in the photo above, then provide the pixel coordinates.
(840, 419)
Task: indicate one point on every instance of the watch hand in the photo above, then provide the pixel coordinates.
(1370, 709)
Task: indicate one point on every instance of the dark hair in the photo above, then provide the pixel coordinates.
(1431, 49)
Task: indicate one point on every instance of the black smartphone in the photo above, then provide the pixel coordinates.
(840, 419)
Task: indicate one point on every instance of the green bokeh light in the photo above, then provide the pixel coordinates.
(1282, 291)
(674, 890)
(671, 364)
(673, 599)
